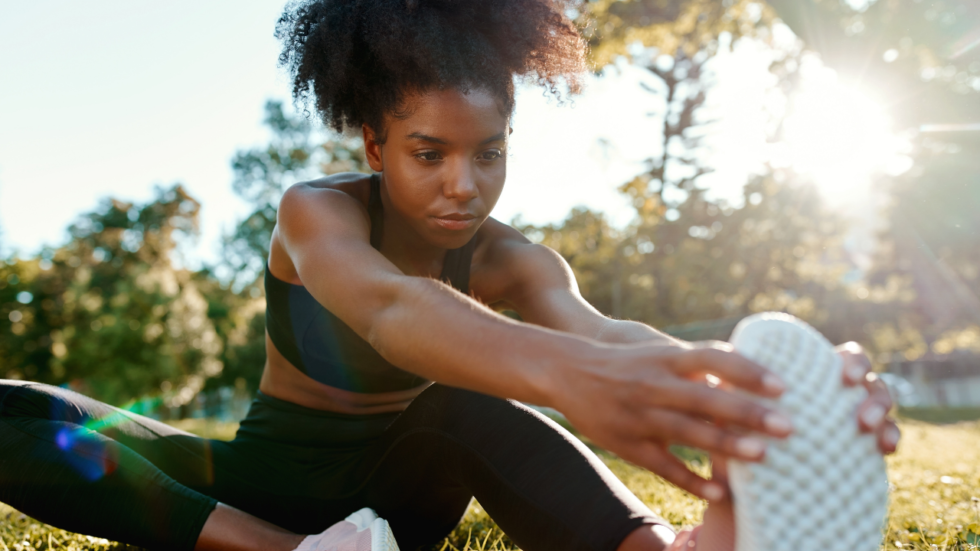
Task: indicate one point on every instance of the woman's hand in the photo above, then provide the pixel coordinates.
(873, 412)
(638, 400)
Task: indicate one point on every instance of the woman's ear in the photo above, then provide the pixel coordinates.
(372, 149)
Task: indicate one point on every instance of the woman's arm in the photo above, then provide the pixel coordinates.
(633, 399)
(544, 289)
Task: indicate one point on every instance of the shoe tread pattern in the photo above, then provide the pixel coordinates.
(823, 488)
(381, 537)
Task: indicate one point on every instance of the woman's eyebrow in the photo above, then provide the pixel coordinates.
(432, 139)
(425, 138)
(495, 138)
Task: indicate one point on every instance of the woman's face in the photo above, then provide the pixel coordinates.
(443, 164)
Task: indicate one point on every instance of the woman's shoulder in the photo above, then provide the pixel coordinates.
(495, 238)
(502, 258)
(334, 206)
(356, 185)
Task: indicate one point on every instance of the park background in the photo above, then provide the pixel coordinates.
(820, 158)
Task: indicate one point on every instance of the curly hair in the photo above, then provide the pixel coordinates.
(356, 59)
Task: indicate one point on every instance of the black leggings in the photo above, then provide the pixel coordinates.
(88, 467)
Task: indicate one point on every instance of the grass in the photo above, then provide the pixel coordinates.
(934, 504)
(941, 415)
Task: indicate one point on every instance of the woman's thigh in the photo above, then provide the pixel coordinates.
(537, 481)
(85, 466)
(227, 471)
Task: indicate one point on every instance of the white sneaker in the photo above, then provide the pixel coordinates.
(361, 531)
(823, 488)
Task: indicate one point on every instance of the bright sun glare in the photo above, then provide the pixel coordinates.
(840, 138)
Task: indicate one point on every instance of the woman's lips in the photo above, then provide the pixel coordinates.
(455, 222)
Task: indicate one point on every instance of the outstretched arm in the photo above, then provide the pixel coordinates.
(633, 399)
(544, 290)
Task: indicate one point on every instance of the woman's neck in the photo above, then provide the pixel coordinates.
(408, 251)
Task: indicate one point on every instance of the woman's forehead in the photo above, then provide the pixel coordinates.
(450, 115)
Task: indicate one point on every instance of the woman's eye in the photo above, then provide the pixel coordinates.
(491, 155)
(427, 156)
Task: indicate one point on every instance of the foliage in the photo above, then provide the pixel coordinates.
(925, 49)
(295, 153)
(675, 28)
(690, 257)
(930, 249)
(108, 313)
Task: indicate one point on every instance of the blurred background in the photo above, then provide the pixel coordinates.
(820, 158)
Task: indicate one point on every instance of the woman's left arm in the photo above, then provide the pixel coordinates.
(540, 285)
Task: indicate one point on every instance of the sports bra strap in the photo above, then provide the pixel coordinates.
(376, 212)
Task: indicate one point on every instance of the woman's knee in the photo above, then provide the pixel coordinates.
(38, 400)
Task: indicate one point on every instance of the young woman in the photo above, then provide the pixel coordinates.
(391, 383)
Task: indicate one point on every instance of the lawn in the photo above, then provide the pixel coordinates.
(934, 504)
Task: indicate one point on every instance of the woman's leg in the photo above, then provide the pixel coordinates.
(85, 466)
(539, 483)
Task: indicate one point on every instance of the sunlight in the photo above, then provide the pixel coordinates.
(839, 137)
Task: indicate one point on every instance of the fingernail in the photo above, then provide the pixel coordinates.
(750, 448)
(777, 423)
(713, 492)
(855, 372)
(873, 415)
(891, 437)
(772, 383)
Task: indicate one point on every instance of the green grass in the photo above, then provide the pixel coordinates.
(941, 415)
(934, 506)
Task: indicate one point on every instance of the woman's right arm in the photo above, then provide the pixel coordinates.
(630, 398)
(419, 324)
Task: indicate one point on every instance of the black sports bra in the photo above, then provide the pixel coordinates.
(319, 344)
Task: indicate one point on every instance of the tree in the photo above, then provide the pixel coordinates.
(687, 27)
(687, 256)
(261, 175)
(925, 54)
(108, 312)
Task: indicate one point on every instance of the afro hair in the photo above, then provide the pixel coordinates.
(355, 60)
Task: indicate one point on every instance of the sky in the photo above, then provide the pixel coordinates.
(111, 98)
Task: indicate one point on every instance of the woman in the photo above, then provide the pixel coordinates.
(377, 286)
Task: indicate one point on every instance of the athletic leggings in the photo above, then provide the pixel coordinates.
(84, 466)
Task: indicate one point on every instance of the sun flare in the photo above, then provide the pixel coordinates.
(840, 138)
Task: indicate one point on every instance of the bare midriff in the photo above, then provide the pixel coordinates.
(282, 380)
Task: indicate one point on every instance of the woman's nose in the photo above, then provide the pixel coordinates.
(461, 183)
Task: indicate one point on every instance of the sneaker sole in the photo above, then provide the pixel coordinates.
(823, 488)
(381, 537)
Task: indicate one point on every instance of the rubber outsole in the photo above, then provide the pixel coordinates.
(382, 539)
(825, 487)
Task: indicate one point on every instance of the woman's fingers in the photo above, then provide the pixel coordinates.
(873, 410)
(888, 436)
(721, 360)
(856, 363)
(678, 428)
(658, 459)
(727, 408)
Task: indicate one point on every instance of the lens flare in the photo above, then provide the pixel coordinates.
(87, 452)
(840, 138)
(91, 454)
(965, 44)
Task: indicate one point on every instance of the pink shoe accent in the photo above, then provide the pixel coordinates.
(343, 536)
(686, 540)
